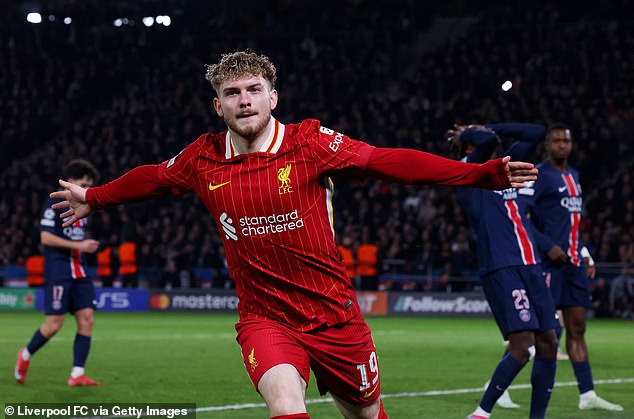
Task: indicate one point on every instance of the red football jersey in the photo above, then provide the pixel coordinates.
(274, 211)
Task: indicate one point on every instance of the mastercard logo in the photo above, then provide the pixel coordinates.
(160, 301)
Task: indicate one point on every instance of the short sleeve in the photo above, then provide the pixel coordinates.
(48, 220)
(528, 194)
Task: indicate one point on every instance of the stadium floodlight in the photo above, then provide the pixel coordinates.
(148, 21)
(51, 18)
(506, 86)
(159, 19)
(68, 20)
(167, 20)
(34, 17)
(117, 22)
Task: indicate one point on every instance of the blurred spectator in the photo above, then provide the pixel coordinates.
(35, 270)
(622, 293)
(105, 271)
(346, 250)
(368, 263)
(170, 278)
(601, 298)
(128, 269)
(461, 260)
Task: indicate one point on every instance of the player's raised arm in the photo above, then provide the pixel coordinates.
(417, 167)
(138, 185)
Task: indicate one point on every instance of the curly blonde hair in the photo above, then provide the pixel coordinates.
(238, 64)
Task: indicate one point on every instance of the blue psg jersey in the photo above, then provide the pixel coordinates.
(62, 263)
(499, 221)
(555, 201)
(499, 218)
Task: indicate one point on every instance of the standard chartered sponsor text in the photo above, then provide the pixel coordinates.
(274, 223)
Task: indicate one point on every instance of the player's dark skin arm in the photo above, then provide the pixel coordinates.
(557, 255)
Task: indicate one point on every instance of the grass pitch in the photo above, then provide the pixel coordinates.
(430, 367)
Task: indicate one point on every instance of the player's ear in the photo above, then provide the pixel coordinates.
(273, 98)
(218, 107)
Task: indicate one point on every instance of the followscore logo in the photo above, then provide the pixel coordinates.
(433, 305)
(259, 226)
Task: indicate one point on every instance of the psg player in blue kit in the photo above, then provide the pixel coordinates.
(66, 286)
(555, 202)
(510, 268)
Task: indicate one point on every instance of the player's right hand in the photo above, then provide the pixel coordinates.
(557, 256)
(74, 198)
(88, 246)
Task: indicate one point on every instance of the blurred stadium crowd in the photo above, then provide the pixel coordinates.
(393, 74)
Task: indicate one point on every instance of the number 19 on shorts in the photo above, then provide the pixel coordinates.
(374, 370)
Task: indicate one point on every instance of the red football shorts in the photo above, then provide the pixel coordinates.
(343, 357)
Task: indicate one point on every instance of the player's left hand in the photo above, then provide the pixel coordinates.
(74, 198)
(519, 172)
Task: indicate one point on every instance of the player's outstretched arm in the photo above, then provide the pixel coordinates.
(519, 172)
(74, 198)
(415, 167)
(138, 185)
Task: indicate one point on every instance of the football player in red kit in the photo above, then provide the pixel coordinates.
(268, 188)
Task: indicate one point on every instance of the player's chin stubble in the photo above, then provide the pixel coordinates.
(249, 131)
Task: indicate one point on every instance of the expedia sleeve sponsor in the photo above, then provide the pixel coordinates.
(335, 140)
(334, 151)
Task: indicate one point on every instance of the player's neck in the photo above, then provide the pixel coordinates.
(561, 164)
(249, 145)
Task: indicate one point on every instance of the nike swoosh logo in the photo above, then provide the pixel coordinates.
(562, 188)
(369, 393)
(213, 187)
